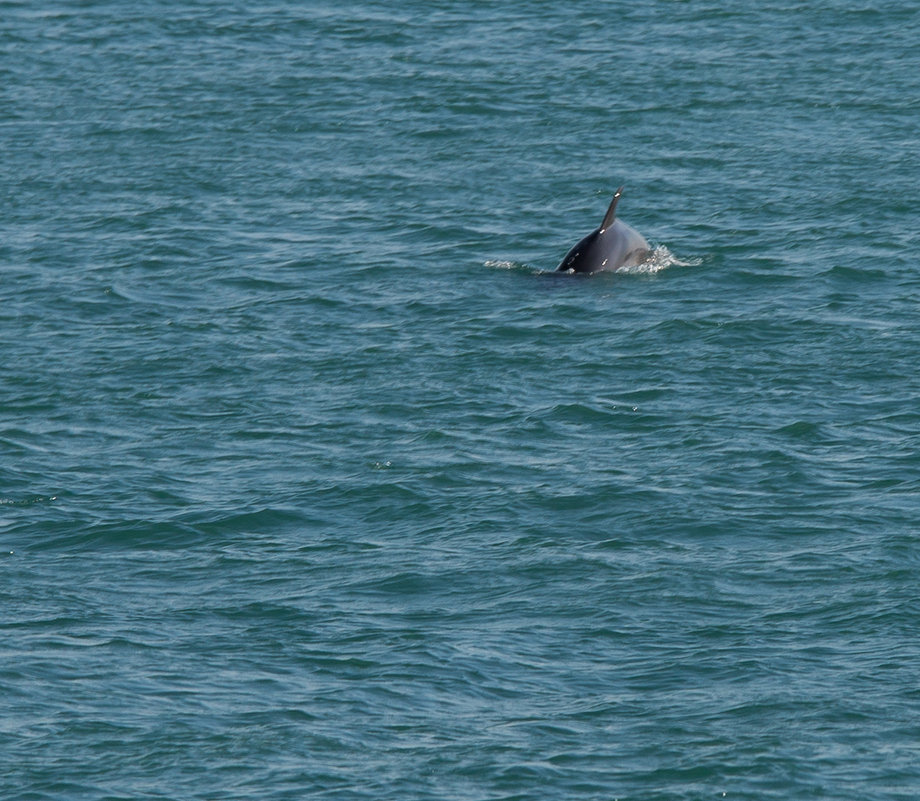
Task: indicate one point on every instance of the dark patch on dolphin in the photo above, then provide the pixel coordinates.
(612, 246)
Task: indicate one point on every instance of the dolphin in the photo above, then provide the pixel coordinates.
(612, 246)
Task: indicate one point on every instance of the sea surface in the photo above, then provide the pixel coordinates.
(318, 482)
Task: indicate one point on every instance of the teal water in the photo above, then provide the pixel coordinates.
(316, 482)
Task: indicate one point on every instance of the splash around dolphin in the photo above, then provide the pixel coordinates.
(611, 246)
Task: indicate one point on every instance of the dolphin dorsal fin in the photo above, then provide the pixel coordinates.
(611, 214)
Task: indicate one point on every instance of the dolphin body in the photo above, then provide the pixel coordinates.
(612, 246)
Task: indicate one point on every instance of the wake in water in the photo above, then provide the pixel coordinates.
(660, 259)
(499, 264)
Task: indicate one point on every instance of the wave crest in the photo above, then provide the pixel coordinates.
(660, 259)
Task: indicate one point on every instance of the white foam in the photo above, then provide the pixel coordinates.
(661, 259)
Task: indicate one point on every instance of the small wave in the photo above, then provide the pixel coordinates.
(501, 264)
(660, 259)
(27, 501)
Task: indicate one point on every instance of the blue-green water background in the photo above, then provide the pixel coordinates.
(315, 481)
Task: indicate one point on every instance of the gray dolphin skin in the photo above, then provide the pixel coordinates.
(612, 246)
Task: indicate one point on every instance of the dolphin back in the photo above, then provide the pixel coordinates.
(611, 246)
